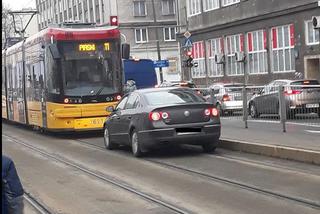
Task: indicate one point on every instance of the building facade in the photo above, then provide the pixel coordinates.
(139, 25)
(276, 37)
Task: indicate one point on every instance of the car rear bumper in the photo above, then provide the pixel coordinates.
(232, 105)
(158, 137)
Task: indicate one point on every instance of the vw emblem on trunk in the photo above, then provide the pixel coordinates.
(187, 113)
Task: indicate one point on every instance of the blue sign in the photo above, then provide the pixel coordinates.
(161, 63)
(188, 43)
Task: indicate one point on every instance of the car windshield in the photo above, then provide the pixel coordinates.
(173, 97)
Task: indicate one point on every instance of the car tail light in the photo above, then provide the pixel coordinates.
(154, 116)
(164, 115)
(207, 112)
(118, 97)
(226, 97)
(292, 92)
(214, 112)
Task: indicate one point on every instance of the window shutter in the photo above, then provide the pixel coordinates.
(265, 39)
(274, 38)
(292, 35)
(250, 41)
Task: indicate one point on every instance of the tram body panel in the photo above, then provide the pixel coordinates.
(77, 116)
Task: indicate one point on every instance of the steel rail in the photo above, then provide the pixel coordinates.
(241, 185)
(101, 176)
(42, 209)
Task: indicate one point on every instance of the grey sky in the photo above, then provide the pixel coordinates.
(19, 4)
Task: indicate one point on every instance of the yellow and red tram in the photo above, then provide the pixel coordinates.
(63, 78)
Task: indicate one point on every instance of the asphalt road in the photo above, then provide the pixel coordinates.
(182, 176)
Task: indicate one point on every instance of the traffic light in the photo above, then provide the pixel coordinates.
(316, 22)
(189, 62)
(114, 20)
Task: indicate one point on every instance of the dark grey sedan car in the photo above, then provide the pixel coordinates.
(300, 96)
(147, 118)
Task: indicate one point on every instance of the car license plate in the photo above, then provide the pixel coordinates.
(315, 105)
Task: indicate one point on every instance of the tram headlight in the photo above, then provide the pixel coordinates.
(66, 100)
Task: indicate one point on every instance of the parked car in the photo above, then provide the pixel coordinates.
(299, 96)
(147, 118)
(228, 97)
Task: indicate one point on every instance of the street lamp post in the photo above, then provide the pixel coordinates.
(157, 38)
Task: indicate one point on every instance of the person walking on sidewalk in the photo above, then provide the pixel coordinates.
(12, 190)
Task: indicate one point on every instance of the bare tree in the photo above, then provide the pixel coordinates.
(7, 25)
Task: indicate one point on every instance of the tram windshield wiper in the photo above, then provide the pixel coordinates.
(99, 91)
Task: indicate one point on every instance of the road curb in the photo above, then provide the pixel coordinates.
(289, 153)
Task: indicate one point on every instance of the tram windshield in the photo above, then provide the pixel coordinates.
(90, 68)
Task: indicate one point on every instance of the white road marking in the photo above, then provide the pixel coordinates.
(313, 131)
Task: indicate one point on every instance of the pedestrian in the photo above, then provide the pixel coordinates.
(12, 190)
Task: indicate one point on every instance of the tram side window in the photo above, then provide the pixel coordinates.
(53, 75)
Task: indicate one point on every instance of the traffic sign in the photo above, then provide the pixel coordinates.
(161, 63)
(187, 34)
(188, 43)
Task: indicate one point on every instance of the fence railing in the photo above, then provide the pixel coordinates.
(280, 104)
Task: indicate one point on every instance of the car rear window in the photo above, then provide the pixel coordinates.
(173, 97)
(233, 88)
(305, 82)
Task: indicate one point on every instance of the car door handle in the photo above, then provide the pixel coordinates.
(129, 117)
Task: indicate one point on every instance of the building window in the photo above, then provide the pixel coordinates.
(169, 33)
(198, 57)
(312, 35)
(282, 44)
(257, 52)
(141, 35)
(234, 44)
(229, 2)
(168, 7)
(194, 7)
(215, 47)
(139, 8)
(210, 4)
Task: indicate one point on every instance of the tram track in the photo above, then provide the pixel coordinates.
(302, 201)
(100, 176)
(38, 206)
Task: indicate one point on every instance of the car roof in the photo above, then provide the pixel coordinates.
(148, 90)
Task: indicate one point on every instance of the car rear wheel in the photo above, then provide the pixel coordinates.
(253, 111)
(107, 142)
(135, 145)
(209, 147)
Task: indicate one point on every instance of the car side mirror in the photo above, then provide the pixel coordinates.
(125, 51)
(110, 109)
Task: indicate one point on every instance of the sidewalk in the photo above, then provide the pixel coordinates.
(300, 143)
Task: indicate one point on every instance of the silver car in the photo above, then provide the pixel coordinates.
(301, 96)
(228, 96)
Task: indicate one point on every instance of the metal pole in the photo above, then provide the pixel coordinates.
(282, 108)
(245, 107)
(157, 38)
